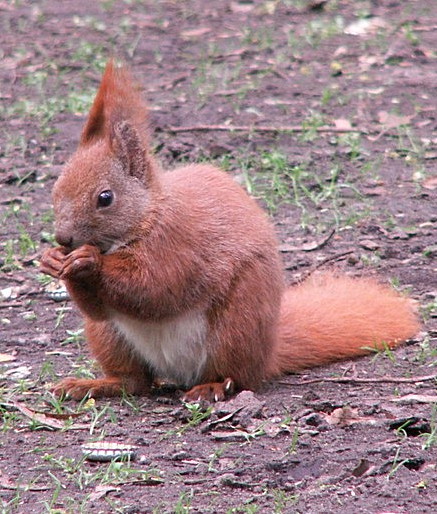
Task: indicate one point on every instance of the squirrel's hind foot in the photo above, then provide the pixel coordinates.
(211, 392)
(80, 388)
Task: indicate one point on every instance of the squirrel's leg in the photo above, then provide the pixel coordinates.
(242, 335)
(124, 372)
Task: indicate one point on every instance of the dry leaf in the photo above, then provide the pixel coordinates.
(393, 120)
(365, 26)
(374, 191)
(368, 61)
(342, 124)
(18, 373)
(8, 292)
(278, 101)
(345, 416)
(47, 419)
(100, 491)
(430, 183)
(195, 32)
(236, 7)
(341, 51)
(376, 90)
(6, 357)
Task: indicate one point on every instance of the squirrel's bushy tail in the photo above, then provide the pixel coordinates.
(329, 318)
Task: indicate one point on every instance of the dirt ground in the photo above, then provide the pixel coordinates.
(326, 112)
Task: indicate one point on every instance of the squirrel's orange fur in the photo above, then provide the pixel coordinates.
(177, 274)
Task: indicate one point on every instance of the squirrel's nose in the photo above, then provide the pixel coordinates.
(64, 239)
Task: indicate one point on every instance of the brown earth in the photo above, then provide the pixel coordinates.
(354, 82)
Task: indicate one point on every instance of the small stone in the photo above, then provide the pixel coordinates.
(369, 244)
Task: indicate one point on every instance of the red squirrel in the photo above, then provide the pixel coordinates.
(178, 275)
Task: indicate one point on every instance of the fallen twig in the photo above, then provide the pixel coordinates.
(310, 247)
(336, 257)
(425, 28)
(352, 380)
(418, 398)
(7, 483)
(53, 421)
(265, 128)
(314, 268)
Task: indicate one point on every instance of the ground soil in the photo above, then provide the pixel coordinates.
(309, 443)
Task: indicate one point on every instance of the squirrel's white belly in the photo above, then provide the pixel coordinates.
(174, 348)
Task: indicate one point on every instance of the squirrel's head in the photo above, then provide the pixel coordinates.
(107, 192)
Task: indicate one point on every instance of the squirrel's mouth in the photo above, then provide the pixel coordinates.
(106, 247)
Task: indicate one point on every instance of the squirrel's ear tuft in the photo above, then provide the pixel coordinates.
(97, 118)
(117, 99)
(128, 146)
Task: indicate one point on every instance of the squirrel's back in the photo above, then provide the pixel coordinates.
(219, 208)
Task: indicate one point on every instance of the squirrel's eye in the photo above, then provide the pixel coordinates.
(105, 198)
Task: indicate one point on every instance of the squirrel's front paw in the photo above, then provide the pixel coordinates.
(52, 261)
(84, 262)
